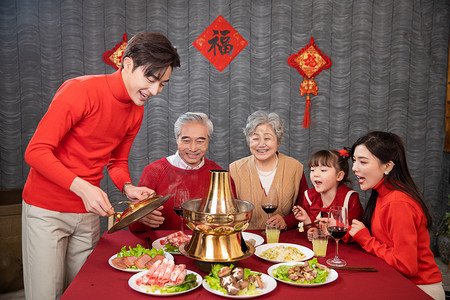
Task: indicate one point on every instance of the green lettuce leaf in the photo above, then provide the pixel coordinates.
(171, 248)
(138, 251)
(214, 283)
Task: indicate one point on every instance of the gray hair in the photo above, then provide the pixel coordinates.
(193, 117)
(260, 117)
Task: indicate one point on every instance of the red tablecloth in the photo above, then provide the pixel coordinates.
(98, 280)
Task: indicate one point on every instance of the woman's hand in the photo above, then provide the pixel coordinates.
(277, 220)
(356, 226)
(300, 214)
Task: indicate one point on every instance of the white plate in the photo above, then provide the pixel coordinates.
(258, 239)
(132, 283)
(168, 255)
(332, 276)
(269, 285)
(260, 249)
(157, 245)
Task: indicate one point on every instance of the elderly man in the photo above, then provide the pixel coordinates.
(187, 169)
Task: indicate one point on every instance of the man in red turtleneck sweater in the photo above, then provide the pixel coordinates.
(91, 122)
(187, 169)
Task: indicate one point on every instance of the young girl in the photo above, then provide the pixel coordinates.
(396, 219)
(329, 170)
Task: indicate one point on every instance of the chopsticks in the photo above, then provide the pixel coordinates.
(147, 241)
(312, 223)
(363, 269)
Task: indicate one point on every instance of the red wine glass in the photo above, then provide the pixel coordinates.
(269, 203)
(337, 226)
(180, 197)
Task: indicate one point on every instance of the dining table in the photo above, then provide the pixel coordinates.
(97, 279)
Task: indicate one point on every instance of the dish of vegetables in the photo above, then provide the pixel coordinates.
(237, 282)
(305, 274)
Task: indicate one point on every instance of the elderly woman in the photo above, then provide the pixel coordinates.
(266, 171)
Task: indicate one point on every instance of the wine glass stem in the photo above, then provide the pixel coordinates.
(337, 250)
(181, 219)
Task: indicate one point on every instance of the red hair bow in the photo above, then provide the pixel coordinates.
(343, 153)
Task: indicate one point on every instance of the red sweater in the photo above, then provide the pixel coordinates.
(355, 210)
(91, 122)
(164, 178)
(400, 237)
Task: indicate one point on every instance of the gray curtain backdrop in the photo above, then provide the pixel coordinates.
(389, 66)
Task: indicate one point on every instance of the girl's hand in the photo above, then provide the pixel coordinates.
(311, 232)
(300, 214)
(356, 226)
(323, 222)
(277, 220)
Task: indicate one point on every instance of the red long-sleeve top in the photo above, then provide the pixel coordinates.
(400, 236)
(90, 123)
(164, 179)
(355, 210)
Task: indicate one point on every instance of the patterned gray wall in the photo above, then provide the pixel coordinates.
(389, 73)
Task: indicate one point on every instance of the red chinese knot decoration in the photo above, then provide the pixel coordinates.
(220, 43)
(309, 62)
(114, 57)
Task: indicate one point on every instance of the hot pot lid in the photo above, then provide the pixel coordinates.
(137, 211)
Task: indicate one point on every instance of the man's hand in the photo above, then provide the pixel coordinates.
(137, 193)
(153, 219)
(277, 220)
(356, 226)
(95, 200)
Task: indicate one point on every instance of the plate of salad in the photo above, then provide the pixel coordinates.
(192, 281)
(213, 282)
(312, 273)
(126, 259)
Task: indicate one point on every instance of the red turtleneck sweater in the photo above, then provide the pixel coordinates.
(400, 236)
(90, 123)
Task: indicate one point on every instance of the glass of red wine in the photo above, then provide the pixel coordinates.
(337, 226)
(181, 196)
(269, 203)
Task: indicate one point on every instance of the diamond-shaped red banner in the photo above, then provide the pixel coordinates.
(309, 61)
(220, 43)
(114, 57)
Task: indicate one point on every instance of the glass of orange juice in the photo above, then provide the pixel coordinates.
(272, 233)
(320, 242)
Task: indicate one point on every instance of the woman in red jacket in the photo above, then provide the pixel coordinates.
(396, 219)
